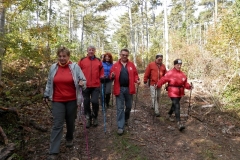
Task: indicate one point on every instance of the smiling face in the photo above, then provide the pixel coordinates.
(107, 58)
(63, 58)
(91, 51)
(178, 66)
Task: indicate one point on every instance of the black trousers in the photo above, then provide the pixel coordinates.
(91, 95)
(175, 107)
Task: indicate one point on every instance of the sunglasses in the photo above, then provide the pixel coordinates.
(124, 55)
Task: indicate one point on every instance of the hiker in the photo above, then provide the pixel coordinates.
(177, 82)
(63, 89)
(154, 71)
(107, 65)
(93, 71)
(125, 75)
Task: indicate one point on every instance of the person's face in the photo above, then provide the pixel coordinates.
(91, 51)
(178, 66)
(107, 58)
(124, 56)
(63, 58)
(159, 60)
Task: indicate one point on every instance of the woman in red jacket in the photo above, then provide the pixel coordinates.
(177, 82)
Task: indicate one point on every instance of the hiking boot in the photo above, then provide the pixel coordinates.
(126, 122)
(69, 143)
(120, 132)
(157, 114)
(169, 118)
(52, 157)
(180, 126)
(95, 122)
(88, 124)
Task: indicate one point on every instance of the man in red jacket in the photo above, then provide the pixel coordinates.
(93, 70)
(125, 75)
(154, 71)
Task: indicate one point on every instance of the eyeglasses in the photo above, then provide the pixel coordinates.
(124, 55)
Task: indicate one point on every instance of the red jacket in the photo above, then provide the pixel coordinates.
(92, 70)
(177, 82)
(154, 72)
(133, 77)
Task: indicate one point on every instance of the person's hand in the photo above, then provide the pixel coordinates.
(80, 83)
(112, 75)
(155, 86)
(146, 85)
(138, 82)
(192, 87)
(45, 99)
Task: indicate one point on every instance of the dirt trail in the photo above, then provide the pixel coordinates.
(209, 134)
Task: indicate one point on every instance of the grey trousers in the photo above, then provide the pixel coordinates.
(62, 111)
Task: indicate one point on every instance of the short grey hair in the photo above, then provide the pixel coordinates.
(92, 47)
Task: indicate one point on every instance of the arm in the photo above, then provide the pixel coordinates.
(187, 85)
(146, 75)
(136, 77)
(162, 81)
(81, 78)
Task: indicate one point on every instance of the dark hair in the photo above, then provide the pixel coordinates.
(109, 55)
(126, 50)
(177, 61)
(63, 49)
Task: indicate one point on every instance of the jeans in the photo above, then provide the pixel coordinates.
(62, 111)
(175, 107)
(122, 115)
(91, 95)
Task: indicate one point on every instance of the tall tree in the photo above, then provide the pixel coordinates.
(2, 25)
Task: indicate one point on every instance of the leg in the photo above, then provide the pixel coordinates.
(86, 96)
(108, 90)
(172, 109)
(176, 104)
(120, 109)
(158, 95)
(71, 110)
(154, 98)
(58, 111)
(128, 102)
(95, 105)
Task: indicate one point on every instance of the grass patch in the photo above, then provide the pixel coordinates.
(127, 149)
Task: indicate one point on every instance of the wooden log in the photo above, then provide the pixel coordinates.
(6, 151)
(3, 135)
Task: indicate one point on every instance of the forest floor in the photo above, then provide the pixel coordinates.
(210, 133)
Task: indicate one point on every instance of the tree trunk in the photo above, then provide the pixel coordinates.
(2, 24)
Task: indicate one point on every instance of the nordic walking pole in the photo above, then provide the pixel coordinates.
(48, 106)
(136, 99)
(154, 104)
(84, 122)
(112, 106)
(103, 105)
(189, 104)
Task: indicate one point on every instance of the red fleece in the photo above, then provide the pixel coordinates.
(63, 84)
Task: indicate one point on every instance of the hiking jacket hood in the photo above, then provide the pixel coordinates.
(92, 69)
(77, 75)
(153, 73)
(133, 76)
(177, 82)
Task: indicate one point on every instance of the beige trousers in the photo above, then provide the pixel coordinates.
(155, 97)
